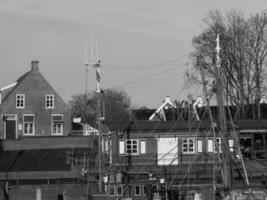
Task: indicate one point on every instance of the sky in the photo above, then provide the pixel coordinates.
(143, 45)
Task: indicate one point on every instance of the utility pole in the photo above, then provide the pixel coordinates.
(99, 121)
(222, 117)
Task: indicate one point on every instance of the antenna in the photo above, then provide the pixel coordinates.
(86, 65)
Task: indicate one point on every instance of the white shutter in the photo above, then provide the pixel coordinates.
(122, 147)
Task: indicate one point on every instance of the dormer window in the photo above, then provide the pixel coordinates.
(49, 101)
(20, 100)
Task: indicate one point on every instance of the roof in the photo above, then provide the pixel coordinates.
(19, 80)
(252, 124)
(34, 160)
(157, 125)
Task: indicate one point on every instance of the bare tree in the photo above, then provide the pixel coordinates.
(243, 55)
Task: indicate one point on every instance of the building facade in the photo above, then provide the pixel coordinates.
(40, 156)
(31, 107)
(176, 159)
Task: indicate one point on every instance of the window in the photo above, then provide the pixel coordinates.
(28, 125)
(119, 190)
(122, 147)
(199, 146)
(217, 146)
(231, 145)
(49, 100)
(57, 124)
(210, 145)
(142, 147)
(132, 147)
(20, 100)
(188, 146)
(137, 190)
(112, 190)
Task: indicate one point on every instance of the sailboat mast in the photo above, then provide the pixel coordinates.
(222, 117)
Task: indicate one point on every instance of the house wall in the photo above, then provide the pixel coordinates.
(35, 87)
(152, 148)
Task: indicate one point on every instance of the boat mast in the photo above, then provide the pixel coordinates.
(99, 120)
(223, 130)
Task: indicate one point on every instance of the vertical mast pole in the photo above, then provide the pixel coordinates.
(99, 118)
(222, 117)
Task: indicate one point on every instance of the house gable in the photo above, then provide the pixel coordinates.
(35, 87)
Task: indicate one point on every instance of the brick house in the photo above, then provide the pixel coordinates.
(41, 157)
(31, 107)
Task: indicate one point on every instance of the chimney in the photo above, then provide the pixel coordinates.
(35, 65)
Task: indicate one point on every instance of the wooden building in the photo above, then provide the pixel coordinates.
(179, 157)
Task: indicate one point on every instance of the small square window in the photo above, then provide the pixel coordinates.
(132, 147)
(49, 101)
(188, 146)
(20, 100)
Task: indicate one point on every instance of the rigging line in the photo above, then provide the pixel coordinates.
(147, 66)
(161, 80)
(144, 78)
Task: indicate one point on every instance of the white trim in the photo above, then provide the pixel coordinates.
(16, 131)
(8, 86)
(56, 134)
(24, 125)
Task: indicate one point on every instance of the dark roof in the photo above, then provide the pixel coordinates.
(252, 124)
(34, 160)
(157, 126)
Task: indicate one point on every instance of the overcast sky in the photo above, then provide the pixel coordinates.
(142, 44)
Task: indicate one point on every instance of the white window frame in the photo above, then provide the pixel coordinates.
(24, 123)
(186, 146)
(140, 190)
(49, 99)
(131, 145)
(21, 101)
(142, 146)
(52, 125)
